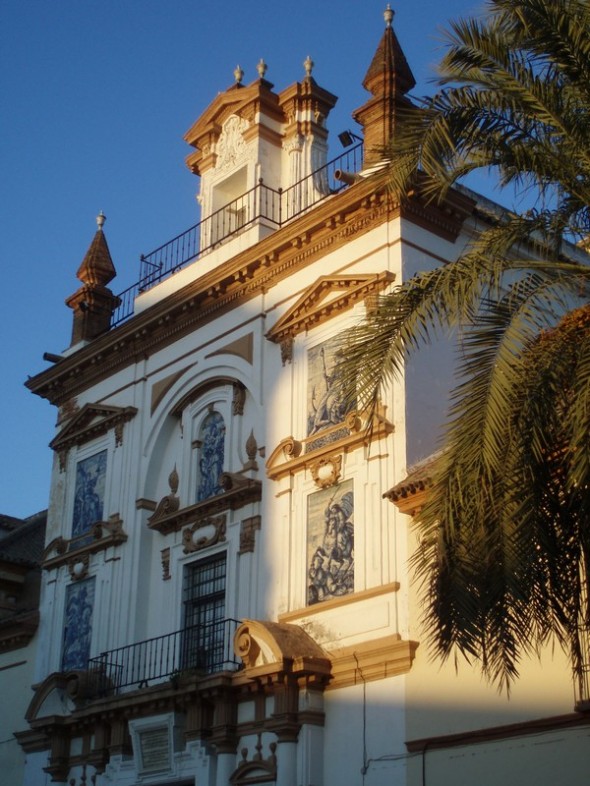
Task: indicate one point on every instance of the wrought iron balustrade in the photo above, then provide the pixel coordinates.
(200, 649)
(274, 207)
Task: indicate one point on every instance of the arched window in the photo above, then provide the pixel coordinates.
(211, 455)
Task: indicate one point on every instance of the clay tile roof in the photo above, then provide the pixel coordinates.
(419, 477)
(389, 60)
(97, 267)
(24, 545)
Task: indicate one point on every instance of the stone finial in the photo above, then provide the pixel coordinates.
(100, 219)
(308, 64)
(238, 74)
(388, 15)
(261, 67)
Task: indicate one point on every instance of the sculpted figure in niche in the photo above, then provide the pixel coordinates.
(211, 456)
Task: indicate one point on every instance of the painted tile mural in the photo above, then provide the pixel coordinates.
(330, 543)
(89, 494)
(325, 408)
(77, 625)
(211, 455)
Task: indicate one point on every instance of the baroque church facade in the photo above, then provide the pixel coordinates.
(226, 596)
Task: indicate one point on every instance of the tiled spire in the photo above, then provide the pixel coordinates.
(388, 79)
(93, 303)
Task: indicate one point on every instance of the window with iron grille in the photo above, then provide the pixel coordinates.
(204, 645)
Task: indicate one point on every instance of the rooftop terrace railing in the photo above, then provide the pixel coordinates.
(200, 649)
(274, 207)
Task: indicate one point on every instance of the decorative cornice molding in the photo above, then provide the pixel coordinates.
(327, 605)
(334, 222)
(17, 631)
(90, 422)
(371, 660)
(320, 303)
(292, 455)
(238, 492)
(74, 552)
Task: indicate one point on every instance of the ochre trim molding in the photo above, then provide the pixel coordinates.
(326, 228)
(239, 490)
(335, 603)
(101, 536)
(292, 455)
(505, 732)
(371, 660)
(319, 302)
(92, 421)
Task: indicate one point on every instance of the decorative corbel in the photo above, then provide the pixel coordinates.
(239, 399)
(248, 530)
(287, 350)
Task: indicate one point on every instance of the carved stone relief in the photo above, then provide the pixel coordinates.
(214, 527)
(248, 530)
(231, 146)
(326, 471)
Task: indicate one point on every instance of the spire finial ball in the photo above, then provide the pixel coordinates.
(100, 219)
(238, 74)
(388, 15)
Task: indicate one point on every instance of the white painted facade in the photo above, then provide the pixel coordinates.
(351, 727)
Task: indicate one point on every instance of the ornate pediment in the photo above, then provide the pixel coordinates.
(238, 491)
(326, 298)
(264, 645)
(322, 455)
(75, 553)
(92, 421)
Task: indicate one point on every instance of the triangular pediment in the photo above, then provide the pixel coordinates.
(91, 421)
(326, 298)
(218, 111)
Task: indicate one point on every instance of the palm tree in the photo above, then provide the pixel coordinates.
(505, 530)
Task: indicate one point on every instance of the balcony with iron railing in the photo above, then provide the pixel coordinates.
(196, 650)
(262, 204)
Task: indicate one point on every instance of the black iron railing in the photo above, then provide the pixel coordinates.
(200, 649)
(273, 207)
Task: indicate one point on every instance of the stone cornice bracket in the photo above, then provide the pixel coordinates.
(75, 552)
(239, 491)
(90, 422)
(326, 298)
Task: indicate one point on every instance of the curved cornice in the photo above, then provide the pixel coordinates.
(330, 225)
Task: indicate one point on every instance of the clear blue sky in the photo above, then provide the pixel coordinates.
(94, 100)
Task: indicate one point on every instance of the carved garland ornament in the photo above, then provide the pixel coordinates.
(326, 471)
